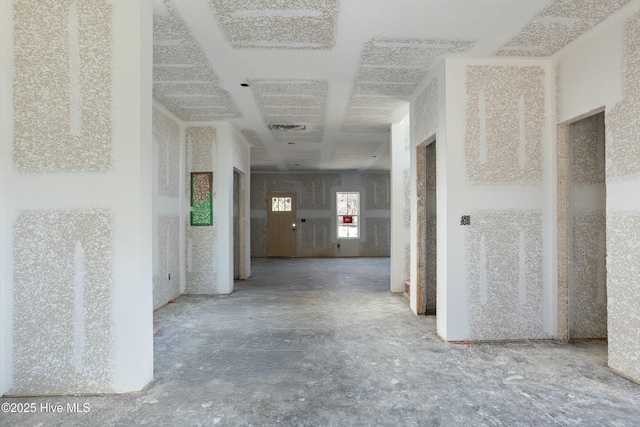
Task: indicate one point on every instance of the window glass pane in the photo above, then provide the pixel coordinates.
(342, 204)
(352, 208)
(287, 204)
(347, 213)
(274, 204)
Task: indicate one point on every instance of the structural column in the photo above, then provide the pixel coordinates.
(400, 203)
(75, 217)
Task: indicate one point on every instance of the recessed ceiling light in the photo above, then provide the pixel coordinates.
(244, 84)
(291, 143)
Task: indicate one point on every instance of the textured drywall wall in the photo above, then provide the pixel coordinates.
(505, 123)
(71, 131)
(77, 214)
(201, 242)
(602, 69)
(314, 238)
(241, 161)
(316, 193)
(377, 232)
(166, 278)
(425, 113)
(623, 220)
(497, 270)
(623, 128)
(623, 290)
(166, 208)
(400, 203)
(314, 189)
(587, 241)
(431, 258)
(504, 252)
(62, 301)
(166, 135)
(378, 189)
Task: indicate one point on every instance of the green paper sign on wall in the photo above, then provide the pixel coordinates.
(201, 198)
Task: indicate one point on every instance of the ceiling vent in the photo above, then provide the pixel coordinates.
(287, 127)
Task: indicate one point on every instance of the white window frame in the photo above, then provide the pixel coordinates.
(357, 215)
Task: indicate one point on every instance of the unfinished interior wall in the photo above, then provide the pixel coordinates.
(601, 70)
(500, 286)
(430, 244)
(428, 124)
(587, 298)
(400, 203)
(75, 156)
(316, 204)
(166, 207)
(241, 164)
(201, 241)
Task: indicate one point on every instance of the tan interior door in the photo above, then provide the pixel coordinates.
(281, 225)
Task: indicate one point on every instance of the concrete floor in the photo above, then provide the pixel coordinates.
(321, 342)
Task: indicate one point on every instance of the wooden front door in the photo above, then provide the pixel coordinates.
(281, 225)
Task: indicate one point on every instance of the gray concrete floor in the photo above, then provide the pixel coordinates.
(321, 342)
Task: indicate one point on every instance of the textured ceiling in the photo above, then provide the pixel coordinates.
(277, 24)
(183, 80)
(566, 20)
(344, 69)
(389, 72)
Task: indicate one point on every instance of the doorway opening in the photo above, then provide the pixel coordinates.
(281, 225)
(239, 226)
(582, 308)
(426, 279)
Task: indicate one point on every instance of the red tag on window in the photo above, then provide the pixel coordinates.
(347, 219)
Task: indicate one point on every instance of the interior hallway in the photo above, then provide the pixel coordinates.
(323, 342)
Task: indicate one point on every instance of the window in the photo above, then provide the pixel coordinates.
(281, 204)
(348, 209)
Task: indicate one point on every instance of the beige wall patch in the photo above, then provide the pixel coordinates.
(505, 271)
(62, 86)
(62, 300)
(505, 124)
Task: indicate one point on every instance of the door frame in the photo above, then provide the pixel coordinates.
(563, 221)
(294, 214)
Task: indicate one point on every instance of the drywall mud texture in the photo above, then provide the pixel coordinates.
(315, 195)
(623, 236)
(566, 20)
(166, 134)
(67, 62)
(315, 238)
(623, 126)
(377, 234)
(166, 283)
(587, 203)
(201, 271)
(505, 121)
(425, 116)
(277, 26)
(623, 228)
(313, 189)
(377, 187)
(505, 275)
(62, 300)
